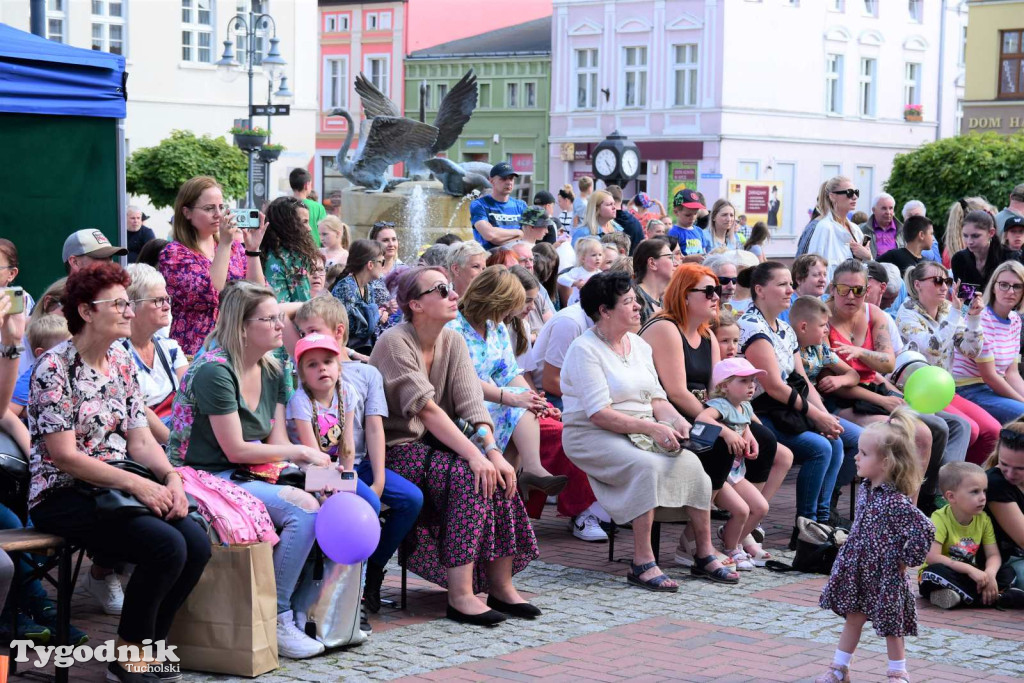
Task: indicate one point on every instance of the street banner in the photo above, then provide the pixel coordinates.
(760, 200)
(681, 175)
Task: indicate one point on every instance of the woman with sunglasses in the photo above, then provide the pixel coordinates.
(364, 294)
(992, 379)
(1005, 501)
(473, 534)
(934, 321)
(835, 238)
(202, 257)
(684, 352)
(159, 361)
(86, 412)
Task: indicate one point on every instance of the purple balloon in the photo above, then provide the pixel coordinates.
(346, 528)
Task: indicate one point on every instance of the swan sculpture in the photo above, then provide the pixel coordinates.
(383, 141)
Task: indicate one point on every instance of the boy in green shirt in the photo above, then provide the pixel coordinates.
(301, 183)
(963, 565)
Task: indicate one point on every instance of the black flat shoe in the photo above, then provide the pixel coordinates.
(522, 610)
(489, 618)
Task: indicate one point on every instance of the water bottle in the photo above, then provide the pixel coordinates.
(478, 435)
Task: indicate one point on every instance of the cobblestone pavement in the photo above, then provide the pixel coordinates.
(596, 627)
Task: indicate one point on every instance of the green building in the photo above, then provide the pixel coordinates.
(513, 69)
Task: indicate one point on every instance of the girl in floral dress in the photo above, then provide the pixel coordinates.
(868, 580)
(514, 408)
(289, 252)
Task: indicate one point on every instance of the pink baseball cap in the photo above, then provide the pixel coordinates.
(316, 341)
(733, 367)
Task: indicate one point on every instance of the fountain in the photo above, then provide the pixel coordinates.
(422, 210)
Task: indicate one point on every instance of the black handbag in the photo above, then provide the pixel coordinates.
(114, 503)
(14, 475)
(817, 547)
(785, 416)
(862, 407)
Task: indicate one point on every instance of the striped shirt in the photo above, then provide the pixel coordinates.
(1001, 346)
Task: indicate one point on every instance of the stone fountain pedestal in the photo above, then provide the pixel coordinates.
(420, 210)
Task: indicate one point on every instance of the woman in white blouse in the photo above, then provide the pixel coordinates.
(835, 238)
(623, 432)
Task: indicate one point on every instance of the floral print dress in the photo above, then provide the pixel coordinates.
(495, 362)
(194, 300)
(67, 395)
(936, 338)
(869, 576)
(286, 275)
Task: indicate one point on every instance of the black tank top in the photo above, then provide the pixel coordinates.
(696, 361)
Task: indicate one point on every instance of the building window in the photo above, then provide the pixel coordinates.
(836, 5)
(385, 21)
(371, 21)
(108, 26)
(635, 91)
(377, 70)
(530, 95)
(485, 95)
(867, 86)
(335, 83)
(833, 84)
(196, 31)
(330, 23)
(342, 22)
(56, 20)
(912, 84)
(586, 79)
(442, 92)
(1011, 65)
(871, 8)
(261, 37)
(512, 92)
(915, 8)
(686, 75)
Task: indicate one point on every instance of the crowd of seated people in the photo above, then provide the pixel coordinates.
(564, 356)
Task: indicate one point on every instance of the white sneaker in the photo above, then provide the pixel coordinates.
(587, 527)
(106, 591)
(293, 643)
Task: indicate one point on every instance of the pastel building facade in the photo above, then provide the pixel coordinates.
(785, 92)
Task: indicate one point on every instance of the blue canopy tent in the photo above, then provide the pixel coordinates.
(62, 141)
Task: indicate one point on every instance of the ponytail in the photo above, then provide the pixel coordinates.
(897, 446)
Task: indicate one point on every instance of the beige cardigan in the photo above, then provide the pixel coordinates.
(452, 384)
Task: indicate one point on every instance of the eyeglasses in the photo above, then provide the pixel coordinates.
(728, 280)
(668, 255)
(843, 290)
(442, 288)
(381, 260)
(8, 267)
(850, 192)
(159, 301)
(940, 281)
(526, 261)
(120, 305)
(710, 292)
(213, 208)
(318, 271)
(1010, 287)
(271, 319)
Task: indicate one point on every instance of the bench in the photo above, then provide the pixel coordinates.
(59, 554)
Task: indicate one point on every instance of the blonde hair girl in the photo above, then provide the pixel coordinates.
(336, 244)
(589, 259)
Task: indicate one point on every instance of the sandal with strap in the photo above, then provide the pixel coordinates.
(656, 584)
(720, 575)
(835, 674)
(760, 556)
(898, 676)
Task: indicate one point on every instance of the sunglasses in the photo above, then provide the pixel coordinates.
(728, 280)
(843, 290)
(442, 288)
(939, 280)
(709, 292)
(850, 193)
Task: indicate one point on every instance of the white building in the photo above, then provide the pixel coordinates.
(170, 47)
(791, 91)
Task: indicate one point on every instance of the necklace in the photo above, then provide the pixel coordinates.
(621, 356)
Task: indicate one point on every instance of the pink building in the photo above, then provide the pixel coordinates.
(373, 37)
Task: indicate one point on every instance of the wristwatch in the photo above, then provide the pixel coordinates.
(11, 352)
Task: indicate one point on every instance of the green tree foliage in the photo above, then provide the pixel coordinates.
(940, 173)
(159, 171)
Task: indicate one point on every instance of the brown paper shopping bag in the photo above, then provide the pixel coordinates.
(228, 624)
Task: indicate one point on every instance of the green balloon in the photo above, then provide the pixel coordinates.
(929, 389)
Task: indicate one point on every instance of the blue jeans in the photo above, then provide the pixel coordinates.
(1001, 408)
(32, 590)
(404, 500)
(820, 460)
(297, 530)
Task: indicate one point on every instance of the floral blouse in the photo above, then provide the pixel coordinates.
(936, 338)
(754, 326)
(286, 275)
(194, 300)
(66, 395)
(494, 359)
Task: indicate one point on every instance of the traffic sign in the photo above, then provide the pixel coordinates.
(270, 109)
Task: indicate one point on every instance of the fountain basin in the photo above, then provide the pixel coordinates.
(420, 210)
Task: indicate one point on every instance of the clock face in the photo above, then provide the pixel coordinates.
(604, 162)
(630, 163)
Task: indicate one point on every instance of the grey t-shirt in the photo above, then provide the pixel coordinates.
(365, 388)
